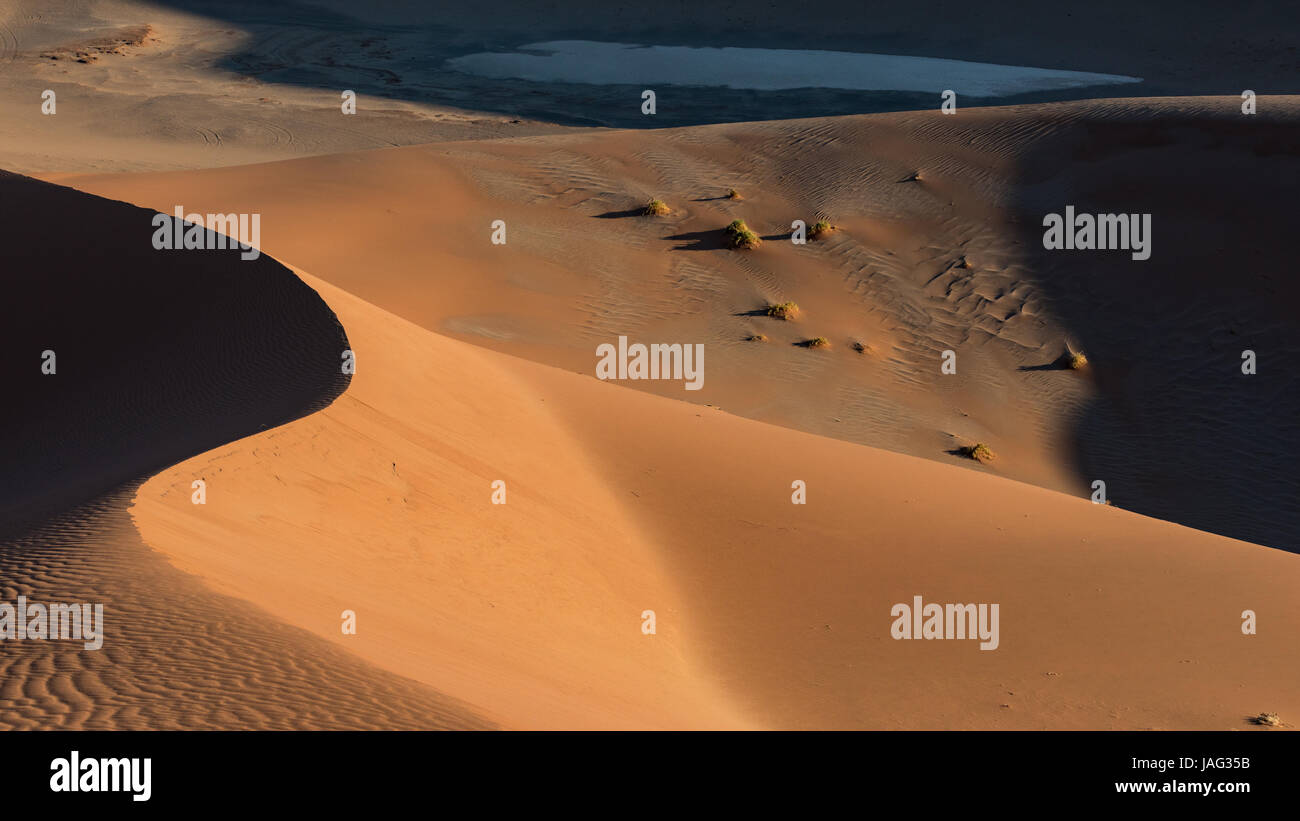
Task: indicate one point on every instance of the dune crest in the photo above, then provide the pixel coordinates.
(127, 360)
(769, 614)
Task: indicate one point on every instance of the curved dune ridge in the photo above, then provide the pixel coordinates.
(938, 247)
(158, 357)
(768, 614)
(130, 328)
(530, 614)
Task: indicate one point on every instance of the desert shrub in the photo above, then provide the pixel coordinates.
(979, 451)
(820, 229)
(740, 236)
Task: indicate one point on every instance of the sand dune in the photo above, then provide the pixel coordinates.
(769, 614)
(529, 614)
(158, 357)
(126, 325)
(374, 493)
(951, 261)
(176, 656)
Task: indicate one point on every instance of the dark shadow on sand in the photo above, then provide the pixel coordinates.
(715, 240)
(159, 354)
(1179, 432)
(618, 215)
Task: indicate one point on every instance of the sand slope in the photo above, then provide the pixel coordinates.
(475, 365)
(952, 261)
(528, 614)
(159, 356)
(769, 614)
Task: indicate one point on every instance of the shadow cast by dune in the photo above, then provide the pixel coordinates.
(1179, 431)
(156, 355)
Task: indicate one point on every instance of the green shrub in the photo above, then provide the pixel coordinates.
(740, 237)
(783, 310)
(979, 451)
(820, 229)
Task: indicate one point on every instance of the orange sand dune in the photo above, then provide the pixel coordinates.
(475, 365)
(952, 261)
(158, 356)
(769, 614)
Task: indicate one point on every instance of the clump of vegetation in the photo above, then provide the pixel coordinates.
(1076, 361)
(979, 451)
(861, 347)
(817, 342)
(740, 236)
(1267, 720)
(820, 229)
(757, 338)
(733, 194)
(657, 208)
(783, 310)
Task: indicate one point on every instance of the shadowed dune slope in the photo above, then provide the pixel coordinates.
(938, 247)
(158, 356)
(1175, 427)
(768, 613)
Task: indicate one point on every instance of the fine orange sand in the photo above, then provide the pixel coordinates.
(769, 614)
(475, 362)
(158, 358)
(952, 261)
